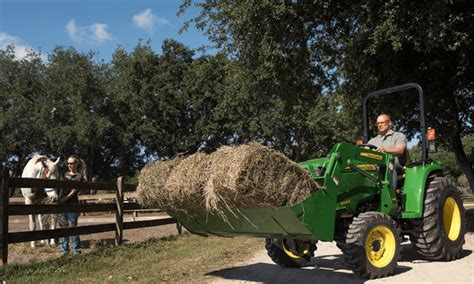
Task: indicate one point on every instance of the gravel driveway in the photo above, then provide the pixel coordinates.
(328, 267)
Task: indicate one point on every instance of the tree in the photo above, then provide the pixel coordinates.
(141, 107)
(149, 99)
(427, 42)
(275, 90)
(205, 88)
(173, 117)
(75, 111)
(450, 166)
(357, 47)
(22, 87)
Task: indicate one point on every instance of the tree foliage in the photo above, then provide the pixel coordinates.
(428, 42)
(22, 84)
(141, 107)
(289, 74)
(279, 89)
(450, 165)
(359, 47)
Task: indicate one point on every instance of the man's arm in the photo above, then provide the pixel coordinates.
(398, 150)
(400, 145)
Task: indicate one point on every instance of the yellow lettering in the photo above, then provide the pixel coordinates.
(345, 202)
(372, 156)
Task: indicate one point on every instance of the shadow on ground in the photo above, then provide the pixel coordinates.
(111, 242)
(409, 254)
(322, 269)
(470, 220)
(272, 273)
(100, 242)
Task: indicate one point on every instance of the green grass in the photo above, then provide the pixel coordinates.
(183, 259)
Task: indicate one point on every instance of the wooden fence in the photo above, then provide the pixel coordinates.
(7, 209)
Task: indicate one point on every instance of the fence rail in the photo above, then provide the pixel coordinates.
(86, 197)
(468, 197)
(19, 237)
(46, 183)
(21, 209)
(117, 205)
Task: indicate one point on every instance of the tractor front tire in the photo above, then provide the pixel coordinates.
(372, 245)
(290, 253)
(439, 235)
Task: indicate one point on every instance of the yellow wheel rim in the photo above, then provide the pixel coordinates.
(293, 254)
(380, 246)
(451, 218)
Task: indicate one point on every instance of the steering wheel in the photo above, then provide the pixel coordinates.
(370, 146)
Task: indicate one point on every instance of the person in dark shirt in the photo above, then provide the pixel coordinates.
(77, 172)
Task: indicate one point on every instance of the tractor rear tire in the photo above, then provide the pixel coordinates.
(290, 253)
(372, 246)
(341, 245)
(439, 235)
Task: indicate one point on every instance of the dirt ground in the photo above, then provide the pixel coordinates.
(23, 253)
(328, 267)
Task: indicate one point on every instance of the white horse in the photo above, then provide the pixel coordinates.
(40, 167)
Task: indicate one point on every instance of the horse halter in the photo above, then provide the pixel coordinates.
(44, 171)
(44, 174)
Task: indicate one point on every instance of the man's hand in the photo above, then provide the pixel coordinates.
(397, 151)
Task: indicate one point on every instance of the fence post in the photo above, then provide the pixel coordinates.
(119, 213)
(4, 195)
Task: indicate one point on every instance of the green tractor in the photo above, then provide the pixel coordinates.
(361, 205)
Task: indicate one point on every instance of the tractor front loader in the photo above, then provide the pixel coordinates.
(359, 204)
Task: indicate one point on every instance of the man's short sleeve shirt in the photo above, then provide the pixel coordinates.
(390, 140)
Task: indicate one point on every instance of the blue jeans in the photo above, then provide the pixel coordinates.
(69, 220)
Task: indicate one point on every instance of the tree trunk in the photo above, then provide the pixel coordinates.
(461, 159)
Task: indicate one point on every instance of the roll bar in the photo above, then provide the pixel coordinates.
(424, 152)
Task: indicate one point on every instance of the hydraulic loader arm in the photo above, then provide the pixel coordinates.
(346, 158)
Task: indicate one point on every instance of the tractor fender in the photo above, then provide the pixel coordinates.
(414, 188)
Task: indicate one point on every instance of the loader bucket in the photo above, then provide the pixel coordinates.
(310, 219)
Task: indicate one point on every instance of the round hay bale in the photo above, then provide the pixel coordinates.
(151, 191)
(186, 183)
(253, 175)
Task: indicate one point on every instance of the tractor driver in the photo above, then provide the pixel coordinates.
(389, 141)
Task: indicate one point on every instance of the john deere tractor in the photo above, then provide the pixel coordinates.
(362, 203)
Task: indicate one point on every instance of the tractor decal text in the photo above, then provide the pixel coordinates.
(345, 202)
(365, 167)
(372, 156)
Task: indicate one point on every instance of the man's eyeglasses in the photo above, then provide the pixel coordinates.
(381, 122)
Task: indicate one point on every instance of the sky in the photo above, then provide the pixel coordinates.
(97, 25)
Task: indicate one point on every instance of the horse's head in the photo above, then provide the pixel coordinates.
(48, 169)
(52, 171)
